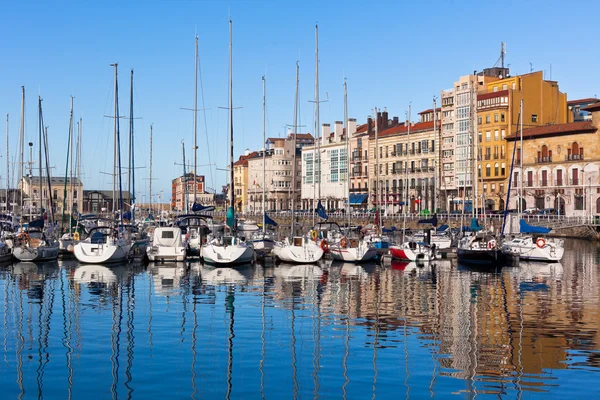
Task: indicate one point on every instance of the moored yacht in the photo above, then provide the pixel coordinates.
(167, 245)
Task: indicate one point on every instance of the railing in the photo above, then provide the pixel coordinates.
(540, 160)
(487, 156)
(574, 157)
(496, 156)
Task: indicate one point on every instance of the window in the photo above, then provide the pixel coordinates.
(359, 143)
(479, 137)
(479, 120)
(544, 178)
(502, 188)
(496, 135)
(503, 170)
(487, 119)
(493, 187)
(424, 146)
(495, 117)
(485, 188)
(516, 179)
(75, 195)
(55, 195)
(496, 169)
(502, 117)
(534, 118)
(514, 86)
(503, 134)
(488, 169)
(505, 87)
(529, 178)
(488, 136)
(559, 177)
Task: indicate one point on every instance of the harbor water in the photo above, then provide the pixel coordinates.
(332, 331)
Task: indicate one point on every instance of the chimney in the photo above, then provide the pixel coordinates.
(384, 119)
(369, 126)
(379, 123)
(325, 132)
(338, 130)
(395, 123)
(351, 127)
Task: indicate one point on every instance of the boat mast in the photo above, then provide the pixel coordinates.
(114, 186)
(22, 143)
(520, 208)
(474, 173)
(79, 138)
(317, 147)
(347, 153)
(131, 183)
(150, 168)
(41, 129)
(264, 228)
(195, 122)
(292, 228)
(7, 166)
(185, 182)
(376, 186)
(65, 196)
(232, 181)
(406, 177)
(435, 161)
(70, 155)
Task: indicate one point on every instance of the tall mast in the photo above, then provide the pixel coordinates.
(131, 183)
(474, 173)
(196, 120)
(114, 189)
(521, 159)
(185, 181)
(79, 138)
(294, 148)
(150, 168)
(376, 200)
(70, 168)
(347, 151)
(264, 228)
(7, 166)
(40, 129)
(22, 142)
(406, 176)
(69, 150)
(232, 182)
(317, 114)
(435, 161)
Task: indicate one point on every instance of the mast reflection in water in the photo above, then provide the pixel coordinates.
(297, 331)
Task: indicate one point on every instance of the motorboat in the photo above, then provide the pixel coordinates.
(352, 250)
(167, 245)
(413, 251)
(529, 245)
(481, 249)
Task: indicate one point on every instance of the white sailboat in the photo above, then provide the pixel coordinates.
(297, 249)
(229, 249)
(350, 249)
(35, 244)
(104, 244)
(528, 243)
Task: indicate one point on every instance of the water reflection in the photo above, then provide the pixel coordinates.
(329, 329)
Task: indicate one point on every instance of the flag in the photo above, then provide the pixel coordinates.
(269, 221)
(321, 210)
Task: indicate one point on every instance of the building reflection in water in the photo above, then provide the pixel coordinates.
(327, 330)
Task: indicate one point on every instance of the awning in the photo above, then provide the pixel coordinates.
(358, 199)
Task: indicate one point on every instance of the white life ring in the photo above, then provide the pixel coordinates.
(540, 242)
(491, 244)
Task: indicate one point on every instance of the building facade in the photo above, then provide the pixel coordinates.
(326, 177)
(561, 166)
(498, 108)
(274, 173)
(576, 112)
(240, 177)
(182, 192)
(32, 201)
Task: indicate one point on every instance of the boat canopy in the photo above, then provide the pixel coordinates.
(167, 237)
(358, 199)
(526, 228)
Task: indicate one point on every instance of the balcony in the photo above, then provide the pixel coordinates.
(541, 160)
(356, 159)
(487, 156)
(496, 156)
(574, 157)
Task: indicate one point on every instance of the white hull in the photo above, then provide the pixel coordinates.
(40, 253)
(166, 253)
(526, 249)
(101, 253)
(224, 255)
(67, 245)
(263, 246)
(305, 253)
(361, 253)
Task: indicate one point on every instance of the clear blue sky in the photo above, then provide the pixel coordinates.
(391, 52)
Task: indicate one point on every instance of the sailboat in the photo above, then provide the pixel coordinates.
(37, 244)
(229, 249)
(297, 249)
(350, 249)
(107, 244)
(529, 243)
(262, 240)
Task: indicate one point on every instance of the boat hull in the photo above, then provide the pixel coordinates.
(355, 254)
(41, 253)
(307, 253)
(408, 254)
(527, 249)
(101, 253)
(487, 257)
(227, 255)
(162, 253)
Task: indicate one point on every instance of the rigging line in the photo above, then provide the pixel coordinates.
(212, 183)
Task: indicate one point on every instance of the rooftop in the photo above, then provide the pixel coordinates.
(582, 101)
(555, 130)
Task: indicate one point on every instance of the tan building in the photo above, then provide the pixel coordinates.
(402, 158)
(179, 193)
(32, 201)
(561, 165)
(277, 173)
(498, 108)
(359, 164)
(240, 177)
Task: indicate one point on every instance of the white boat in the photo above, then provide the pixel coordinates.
(227, 250)
(298, 250)
(263, 242)
(412, 251)
(34, 246)
(352, 250)
(167, 245)
(103, 246)
(534, 249)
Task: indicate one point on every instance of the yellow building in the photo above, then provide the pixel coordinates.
(240, 177)
(498, 107)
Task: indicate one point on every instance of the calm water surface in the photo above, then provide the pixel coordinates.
(287, 332)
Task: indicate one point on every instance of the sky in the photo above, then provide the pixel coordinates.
(392, 54)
